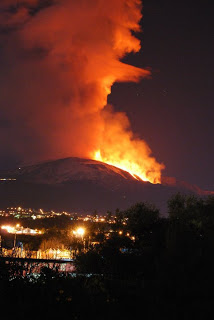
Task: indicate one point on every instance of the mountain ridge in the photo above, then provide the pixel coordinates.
(84, 185)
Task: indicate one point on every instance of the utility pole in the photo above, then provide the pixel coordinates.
(14, 242)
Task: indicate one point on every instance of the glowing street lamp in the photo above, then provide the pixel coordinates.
(80, 232)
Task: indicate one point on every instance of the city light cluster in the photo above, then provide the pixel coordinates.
(20, 230)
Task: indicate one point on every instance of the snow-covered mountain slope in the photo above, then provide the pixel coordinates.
(83, 185)
(69, 169)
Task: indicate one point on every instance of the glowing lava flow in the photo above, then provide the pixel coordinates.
(130, 166)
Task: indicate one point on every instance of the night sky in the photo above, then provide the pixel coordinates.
(173, 110)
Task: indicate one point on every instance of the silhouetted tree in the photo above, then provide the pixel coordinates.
(90, 262)
(187, 208)
(141, 218)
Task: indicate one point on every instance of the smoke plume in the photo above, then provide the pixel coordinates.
(59, 60)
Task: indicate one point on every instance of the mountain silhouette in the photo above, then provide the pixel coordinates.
(83, 186)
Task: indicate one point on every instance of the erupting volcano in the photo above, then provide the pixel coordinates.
(66, 57)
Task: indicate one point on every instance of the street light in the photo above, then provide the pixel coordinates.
(80, 233)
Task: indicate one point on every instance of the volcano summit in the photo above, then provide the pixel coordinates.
(83, 185)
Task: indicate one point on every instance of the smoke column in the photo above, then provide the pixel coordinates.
(60, 59)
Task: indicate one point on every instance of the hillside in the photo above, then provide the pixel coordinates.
(83, 185)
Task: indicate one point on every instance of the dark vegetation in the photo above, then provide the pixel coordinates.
(166, 272)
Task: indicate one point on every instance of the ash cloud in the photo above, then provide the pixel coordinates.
(59, 60)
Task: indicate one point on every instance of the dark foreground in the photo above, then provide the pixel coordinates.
(175, 291)
(167, 272)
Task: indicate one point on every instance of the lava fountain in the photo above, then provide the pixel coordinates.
(122, 149)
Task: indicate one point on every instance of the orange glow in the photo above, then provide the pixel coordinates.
(123, 164)
(120, 148)
(132, 166)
